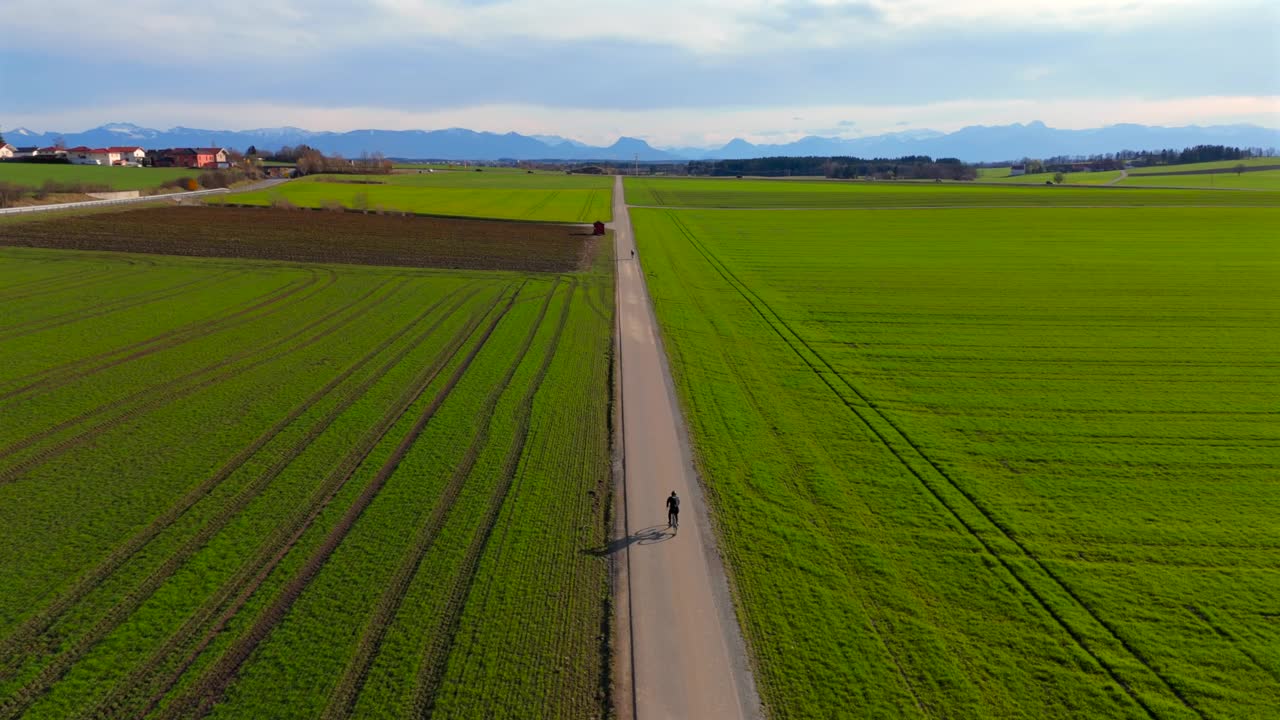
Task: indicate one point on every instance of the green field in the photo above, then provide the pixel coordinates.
(275, 490)
(1224, 165)
(978, 463)
(1080, 178)
(117, 178)
(542, 197)
(830, 194)
(1256, 180)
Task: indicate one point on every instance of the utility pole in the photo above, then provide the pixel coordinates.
(635, 168)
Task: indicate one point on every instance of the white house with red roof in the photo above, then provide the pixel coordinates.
(129, 154)
(7, 150)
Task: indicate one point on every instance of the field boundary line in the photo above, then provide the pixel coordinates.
(343, 697)
(212, 683)
(434, 658)
(747, 295)
(248, 577)
(37, 624)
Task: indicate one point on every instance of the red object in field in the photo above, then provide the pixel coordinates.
(598, 228)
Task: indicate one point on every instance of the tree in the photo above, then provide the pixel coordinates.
(59, 142)
(1, 138)
(1059, 178)
(252, 151)
(1239, 168)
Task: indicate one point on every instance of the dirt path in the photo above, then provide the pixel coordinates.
(1123, 174)
(680, 652)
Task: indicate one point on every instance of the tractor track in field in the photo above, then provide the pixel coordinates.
(36, 625)
(115, 704)
(33, 287)
(32, 327)
(343, 697)
(206, 690)
(93, 278)
(792, 338)
(54, 378)
(164, 394)
(440, 643)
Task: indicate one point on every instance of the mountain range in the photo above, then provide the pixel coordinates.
(977, 143)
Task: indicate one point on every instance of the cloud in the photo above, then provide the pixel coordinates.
(769, 61)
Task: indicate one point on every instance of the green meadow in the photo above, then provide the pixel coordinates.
(707, 193)
(987, 463)
(505, 195)
(116, 178)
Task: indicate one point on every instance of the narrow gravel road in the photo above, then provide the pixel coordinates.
(680, 652)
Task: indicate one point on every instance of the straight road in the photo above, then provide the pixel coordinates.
(680, 652)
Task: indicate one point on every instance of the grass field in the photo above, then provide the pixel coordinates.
(1223, 165)
(978, 463)
(1256, 180)
(262, 489)
(828, 194)
(117, 178)
(515, 196)
(1080, 178)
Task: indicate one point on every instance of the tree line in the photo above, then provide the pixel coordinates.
(310, 161)
(1127, 158)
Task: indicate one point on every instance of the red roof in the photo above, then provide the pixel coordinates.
(209, 151)
(124, 149)
(79, 148)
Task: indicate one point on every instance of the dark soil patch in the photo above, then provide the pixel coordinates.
(322, 237)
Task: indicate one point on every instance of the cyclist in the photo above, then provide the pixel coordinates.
(673, 510)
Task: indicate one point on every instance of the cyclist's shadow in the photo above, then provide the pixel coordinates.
(649, 536)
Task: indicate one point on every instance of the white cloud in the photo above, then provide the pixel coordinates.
(706, 27)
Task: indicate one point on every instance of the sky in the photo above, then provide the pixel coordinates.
(674, 72)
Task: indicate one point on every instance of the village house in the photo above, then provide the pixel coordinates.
(6, 151)
(25, 151)
(82, 155)
(1018, 169)
(207, 158)
(128, 155)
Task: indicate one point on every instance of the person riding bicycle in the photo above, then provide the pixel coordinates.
(673, 510)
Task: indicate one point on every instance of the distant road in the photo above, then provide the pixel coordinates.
(680, 651)
(175, 197)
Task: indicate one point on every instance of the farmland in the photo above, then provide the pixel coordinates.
(705, 193)
(249, 488)
(506, 195)
(305, 236)
(1253, 180)
(986, 463)
(115, 178)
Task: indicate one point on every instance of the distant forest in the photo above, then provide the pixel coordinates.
(913, 167)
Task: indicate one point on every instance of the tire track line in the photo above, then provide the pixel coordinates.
(42, 284)
(36, 625)
(32, 327)
(112, 273)
(159, 396)
(115, 704)
(69, 372)
(440, 643)
(197, 700)
(1005, 532)
(343, 698)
